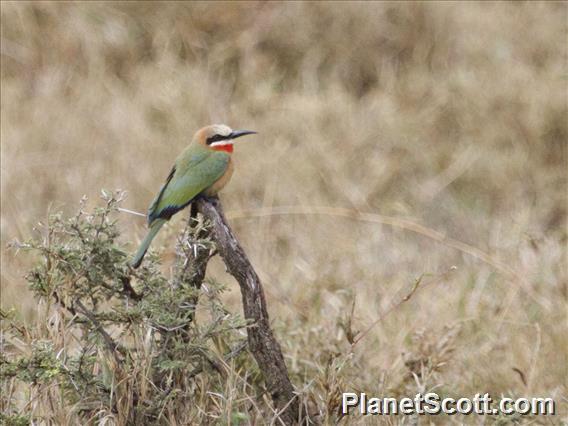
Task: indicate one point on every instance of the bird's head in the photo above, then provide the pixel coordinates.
(219, 137)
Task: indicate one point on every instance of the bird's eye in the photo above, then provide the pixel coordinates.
(215, 138)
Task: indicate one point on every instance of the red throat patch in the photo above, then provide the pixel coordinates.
(227, 148)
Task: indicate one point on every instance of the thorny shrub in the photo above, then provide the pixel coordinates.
(117, 345)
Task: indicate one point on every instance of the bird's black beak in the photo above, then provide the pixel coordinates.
(238, 133)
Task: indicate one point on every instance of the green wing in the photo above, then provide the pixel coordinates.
(195, 171)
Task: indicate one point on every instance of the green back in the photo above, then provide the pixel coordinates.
(195, 170)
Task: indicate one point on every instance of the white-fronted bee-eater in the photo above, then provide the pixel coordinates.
(203, 168)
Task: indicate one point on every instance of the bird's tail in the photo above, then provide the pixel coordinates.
(154, 228)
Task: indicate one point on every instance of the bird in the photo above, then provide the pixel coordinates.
(204, 167)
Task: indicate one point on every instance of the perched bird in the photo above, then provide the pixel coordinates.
(204, 167)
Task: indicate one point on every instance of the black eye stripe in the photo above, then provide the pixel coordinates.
(216, 138)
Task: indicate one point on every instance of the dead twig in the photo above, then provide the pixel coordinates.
(408, 225)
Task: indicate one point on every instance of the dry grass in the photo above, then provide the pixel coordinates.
(449, 118)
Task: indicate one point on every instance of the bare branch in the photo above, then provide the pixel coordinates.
(262, 342)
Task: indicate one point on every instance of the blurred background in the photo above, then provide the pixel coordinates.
(447, 115)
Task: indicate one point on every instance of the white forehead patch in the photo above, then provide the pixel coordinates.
(221, 129)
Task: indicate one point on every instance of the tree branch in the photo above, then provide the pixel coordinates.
(112, 346)
(261, 340)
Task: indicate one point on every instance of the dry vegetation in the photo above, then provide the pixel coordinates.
(442, 124)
